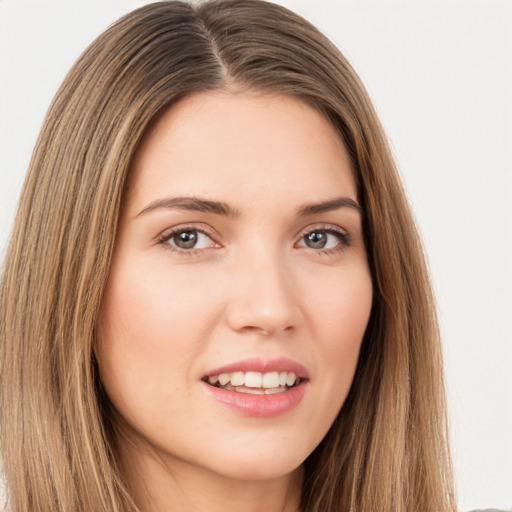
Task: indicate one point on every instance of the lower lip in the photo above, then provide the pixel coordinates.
(261, 406)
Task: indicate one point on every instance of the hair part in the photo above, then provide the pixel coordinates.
(387, 449)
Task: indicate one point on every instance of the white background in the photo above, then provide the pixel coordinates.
(440, 74)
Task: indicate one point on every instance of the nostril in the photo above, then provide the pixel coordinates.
(257, 318)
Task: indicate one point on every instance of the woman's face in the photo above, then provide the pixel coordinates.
(239, 290)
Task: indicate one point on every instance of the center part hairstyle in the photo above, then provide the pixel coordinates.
(387, 449)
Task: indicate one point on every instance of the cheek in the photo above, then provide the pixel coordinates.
(340, 310)
(147, 308)
(339, 315)
(148, 328)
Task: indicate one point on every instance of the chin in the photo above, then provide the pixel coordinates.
(263, 461)
(258, 471)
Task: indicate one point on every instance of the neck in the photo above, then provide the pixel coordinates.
(160, 484)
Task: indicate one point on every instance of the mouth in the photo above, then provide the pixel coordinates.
(258, 388)
(254, 383)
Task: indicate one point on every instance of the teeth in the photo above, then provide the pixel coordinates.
(255, 382)
(224, 378)
(255, 391)
(251, 391)
(290, 381)
(273, 391)
(237, 379)
(271, 380)
(253, 379)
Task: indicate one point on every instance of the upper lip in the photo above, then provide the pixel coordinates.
(263, 366)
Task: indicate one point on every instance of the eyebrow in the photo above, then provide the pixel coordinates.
(220, 208)
(327, 206)
(193, 204)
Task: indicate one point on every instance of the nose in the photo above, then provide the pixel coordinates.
(263, 300)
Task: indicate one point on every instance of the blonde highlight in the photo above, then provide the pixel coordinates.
(388, 449)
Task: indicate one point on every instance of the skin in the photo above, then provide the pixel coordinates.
(253, 287)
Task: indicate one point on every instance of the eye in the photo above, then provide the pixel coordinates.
(324, 239)
(186, 239)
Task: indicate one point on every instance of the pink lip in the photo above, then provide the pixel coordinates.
(262, 406)
(259, 365)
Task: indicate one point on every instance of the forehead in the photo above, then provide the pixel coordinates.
(241, 147)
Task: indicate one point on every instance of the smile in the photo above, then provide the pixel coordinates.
(255, 383)
(254, 387)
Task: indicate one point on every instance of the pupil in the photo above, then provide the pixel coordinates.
(316, 240)
(186, 239)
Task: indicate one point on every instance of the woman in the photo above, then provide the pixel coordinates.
(215, 295)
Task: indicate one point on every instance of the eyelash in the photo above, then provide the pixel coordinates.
(343, 237)
(168, 235)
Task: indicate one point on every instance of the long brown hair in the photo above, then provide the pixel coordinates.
(387, 450)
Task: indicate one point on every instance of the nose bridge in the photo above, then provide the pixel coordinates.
(263, 299)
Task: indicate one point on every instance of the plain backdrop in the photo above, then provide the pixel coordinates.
(440, 75)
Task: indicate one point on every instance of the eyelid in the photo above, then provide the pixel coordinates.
(164, 236)
(322, 226)
(345, 238)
